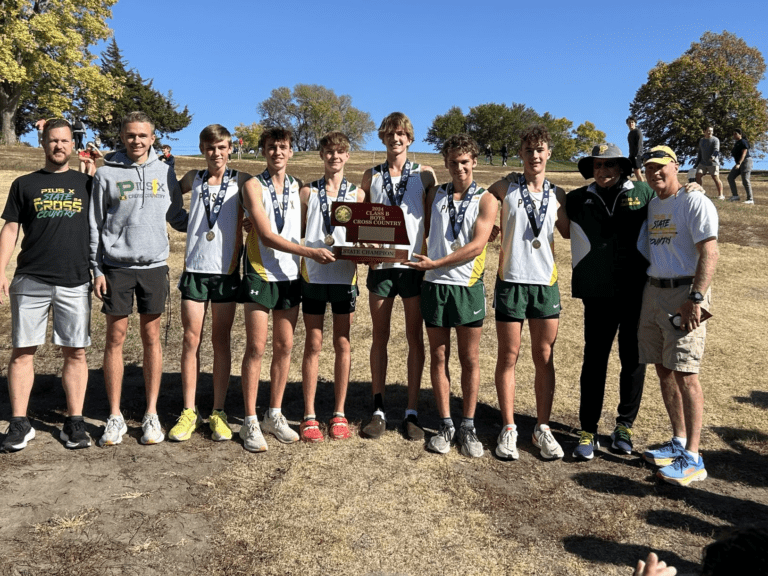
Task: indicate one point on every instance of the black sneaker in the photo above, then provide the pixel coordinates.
(412, 430)
(375, 427)
(73, 433)
(20, 432)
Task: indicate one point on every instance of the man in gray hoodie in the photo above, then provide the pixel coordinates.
(134, 194)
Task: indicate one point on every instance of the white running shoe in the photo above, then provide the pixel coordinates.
(278, 427)
(506, 447)
(543, 439)
(153, 433)
(113, 431)
(253, 439)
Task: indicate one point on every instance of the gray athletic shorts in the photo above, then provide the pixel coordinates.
(31, 300)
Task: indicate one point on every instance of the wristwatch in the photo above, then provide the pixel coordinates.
(696, 297)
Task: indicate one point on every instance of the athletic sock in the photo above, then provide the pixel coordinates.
(273, 412)
(681, 439)
(512, 427)
(448, 422)
(694, 455)
(410, 412)
(338, 415)
(310, 417)
(249, 419)
(468, 423)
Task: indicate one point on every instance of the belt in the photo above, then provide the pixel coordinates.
(670, 282)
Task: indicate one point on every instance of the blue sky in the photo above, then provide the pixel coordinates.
(581, 60)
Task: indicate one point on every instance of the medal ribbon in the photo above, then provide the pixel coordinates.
(396, 197)
(212, 212)
(324, 201)
(536, 218)
(279, 217)
(458, 219)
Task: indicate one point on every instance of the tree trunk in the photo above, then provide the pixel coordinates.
(9, 103)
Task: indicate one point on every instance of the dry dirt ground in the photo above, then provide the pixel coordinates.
(388, 506)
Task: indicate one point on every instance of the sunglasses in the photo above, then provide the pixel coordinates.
(607, 164)
(657, 154)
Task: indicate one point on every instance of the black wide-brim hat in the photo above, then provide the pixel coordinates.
(606, 152)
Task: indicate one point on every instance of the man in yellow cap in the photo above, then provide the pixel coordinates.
(680, 242)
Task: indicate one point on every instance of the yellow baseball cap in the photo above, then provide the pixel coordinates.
(660, 155)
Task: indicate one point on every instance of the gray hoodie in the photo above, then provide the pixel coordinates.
(130, 205)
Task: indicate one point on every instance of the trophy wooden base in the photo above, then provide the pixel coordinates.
(370, 255)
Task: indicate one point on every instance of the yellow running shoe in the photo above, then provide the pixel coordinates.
(219, 426)
(185, 425)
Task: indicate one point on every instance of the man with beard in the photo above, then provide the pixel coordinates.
(52, 273)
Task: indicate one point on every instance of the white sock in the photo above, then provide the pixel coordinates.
(694, 455)
(249, 419)
(512, 427)
(273, 412)
(682, 440)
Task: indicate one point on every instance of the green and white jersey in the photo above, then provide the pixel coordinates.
(441, 237)
(220, 254)
(341, 271)
(520, 261)
(413, 209)
(274, 265)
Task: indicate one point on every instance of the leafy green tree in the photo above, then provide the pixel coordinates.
(563, 144)
(497, 124)
(44, 57)
(311, 111)
(446, 125)
(713, 83)
(250, 134)
(137, 94)
(586, 136)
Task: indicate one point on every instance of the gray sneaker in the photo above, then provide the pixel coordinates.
(470, 445)
(543, 439)
(278, 427)
(113, 431)
(153, 433)
(506, 447)
(253, 439)
(441, 442)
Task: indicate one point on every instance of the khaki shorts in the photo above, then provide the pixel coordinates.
(703, 170)
(658, 341)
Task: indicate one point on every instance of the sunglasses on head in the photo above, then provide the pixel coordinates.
(606, 164)
(657, 154)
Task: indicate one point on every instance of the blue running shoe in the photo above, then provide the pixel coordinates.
(622, 439)
(664, 455)
(683, 470)
(585, 450)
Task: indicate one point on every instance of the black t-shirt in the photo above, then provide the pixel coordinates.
(738, 149)
(52, 209)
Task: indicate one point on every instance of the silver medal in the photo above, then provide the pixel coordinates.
(210, 236)
(536, 243)
(328, 240)
(455, 245)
